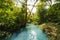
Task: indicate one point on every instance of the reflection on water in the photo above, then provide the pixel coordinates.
(31, 32)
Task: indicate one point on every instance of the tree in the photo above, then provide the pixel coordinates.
(41, 12)
(12, 18)
(54, 13)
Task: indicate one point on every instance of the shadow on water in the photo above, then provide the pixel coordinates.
(31, 32)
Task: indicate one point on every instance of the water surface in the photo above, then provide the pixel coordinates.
(31, 32)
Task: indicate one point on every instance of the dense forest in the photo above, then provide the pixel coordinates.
(14, 17)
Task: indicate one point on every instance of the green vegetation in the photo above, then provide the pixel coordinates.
(13, 18)
(46, 17)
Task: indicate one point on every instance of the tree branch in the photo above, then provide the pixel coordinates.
(33, 6)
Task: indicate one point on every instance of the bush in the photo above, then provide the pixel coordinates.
(50, 30)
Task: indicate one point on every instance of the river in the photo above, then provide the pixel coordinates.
(31, 32)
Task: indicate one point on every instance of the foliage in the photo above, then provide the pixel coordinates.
(12, 18)
(50, 29)
(51, 14)
(41, 13)
(54, 13)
